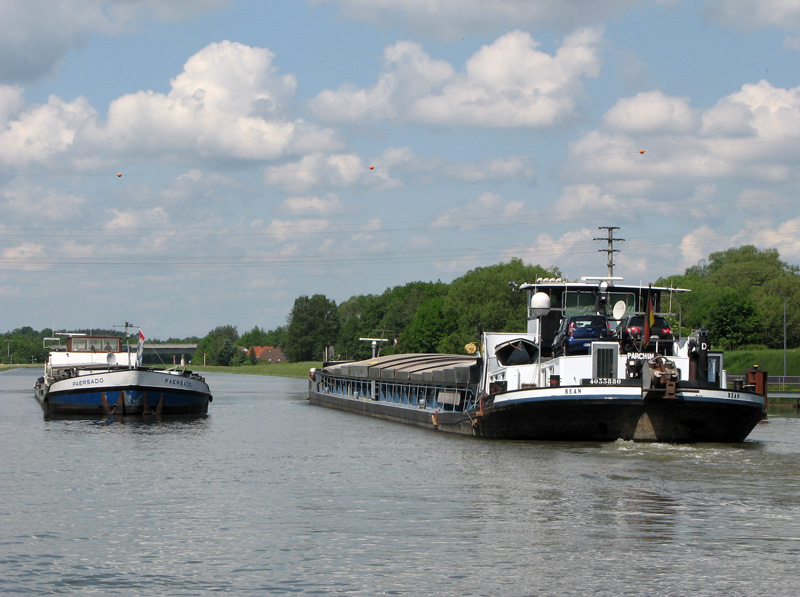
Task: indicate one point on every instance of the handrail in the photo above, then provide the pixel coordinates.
(788, 383)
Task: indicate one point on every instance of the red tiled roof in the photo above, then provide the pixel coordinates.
(268, 353)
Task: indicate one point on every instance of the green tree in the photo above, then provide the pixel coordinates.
(313, 326)
(218, 347)
(769, 301)
(224, 353)
(276, 337)
(226, 331)
(726, 281)
(429, 326)
(732, 320)
(24, 345)
(255, 337)
(483, 297)
(387, 316)
(251, 357)
(359, 317)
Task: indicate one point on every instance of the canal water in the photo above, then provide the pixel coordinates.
(269, 494)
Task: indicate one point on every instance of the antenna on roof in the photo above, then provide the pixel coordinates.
(610, 250)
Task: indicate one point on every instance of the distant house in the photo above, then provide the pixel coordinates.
(268, 354)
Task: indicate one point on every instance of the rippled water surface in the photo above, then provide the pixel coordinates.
(270, 494)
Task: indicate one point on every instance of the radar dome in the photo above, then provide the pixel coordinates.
(540, 303)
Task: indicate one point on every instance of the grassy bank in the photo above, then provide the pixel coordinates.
(275, 369)
(769, 360)
(4, 367)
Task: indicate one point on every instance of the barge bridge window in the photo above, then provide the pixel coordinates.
(95, 344)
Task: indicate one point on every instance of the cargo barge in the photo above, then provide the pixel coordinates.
(94, 376)
(632, 384)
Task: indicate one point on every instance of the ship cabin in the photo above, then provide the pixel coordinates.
(605, 296)
(86, 351)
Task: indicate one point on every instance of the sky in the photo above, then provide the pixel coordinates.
(186, 164)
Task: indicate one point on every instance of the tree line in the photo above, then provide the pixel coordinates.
(737, 294)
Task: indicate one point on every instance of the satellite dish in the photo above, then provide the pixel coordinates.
(619, 310)
(111, 359)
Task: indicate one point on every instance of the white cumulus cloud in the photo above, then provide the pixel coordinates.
(746, 134)
(509, 83)
(228, 103)
(650, 112)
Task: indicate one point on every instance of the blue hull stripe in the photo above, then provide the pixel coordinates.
(79, 401)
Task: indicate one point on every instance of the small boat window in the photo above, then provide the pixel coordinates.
(517, 352)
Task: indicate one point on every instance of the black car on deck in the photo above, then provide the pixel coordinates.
(630, 330)
(577, 332)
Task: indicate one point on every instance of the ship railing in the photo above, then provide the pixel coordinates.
(515, 377)
(779, 383)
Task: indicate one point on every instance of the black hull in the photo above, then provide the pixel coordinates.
(662, 420)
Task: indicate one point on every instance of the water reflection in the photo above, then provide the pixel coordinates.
(650, 515)
(133, 421)
(784, 410)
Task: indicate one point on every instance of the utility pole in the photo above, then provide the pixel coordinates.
(610, 250)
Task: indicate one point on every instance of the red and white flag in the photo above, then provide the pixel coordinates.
(140, 348)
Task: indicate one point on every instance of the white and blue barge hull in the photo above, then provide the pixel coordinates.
(126, 392)
(93, 376)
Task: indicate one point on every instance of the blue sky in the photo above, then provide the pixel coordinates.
(269, 150)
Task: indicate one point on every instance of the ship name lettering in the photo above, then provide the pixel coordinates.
(178, 382)
(572, 390)
(87, 382)
(733, 395)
